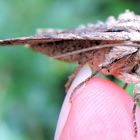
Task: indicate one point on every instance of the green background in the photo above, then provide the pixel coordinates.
(31, 84)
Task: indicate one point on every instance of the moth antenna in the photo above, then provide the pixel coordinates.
(97, 47)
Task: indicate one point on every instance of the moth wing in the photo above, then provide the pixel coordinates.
(88, 32)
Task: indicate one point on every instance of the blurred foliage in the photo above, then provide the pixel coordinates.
(32, 85)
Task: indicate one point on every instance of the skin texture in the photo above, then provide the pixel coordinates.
(100, 110)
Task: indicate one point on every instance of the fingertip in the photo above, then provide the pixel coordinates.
(100, 110)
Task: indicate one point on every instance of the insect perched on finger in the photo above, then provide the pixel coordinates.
(111, 47)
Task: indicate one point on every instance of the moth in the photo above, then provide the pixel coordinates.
(111, 47)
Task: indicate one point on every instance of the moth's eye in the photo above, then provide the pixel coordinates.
(136, 69)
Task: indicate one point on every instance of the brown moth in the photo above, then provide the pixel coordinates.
(110, 47)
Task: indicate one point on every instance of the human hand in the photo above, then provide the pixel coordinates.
(100, 110)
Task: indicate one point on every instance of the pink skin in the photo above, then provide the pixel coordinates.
(100, 110)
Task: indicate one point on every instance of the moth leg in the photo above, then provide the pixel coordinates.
(136, 100)
(90, 77)
(133, 78)
(72, 77)
(101, 66)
